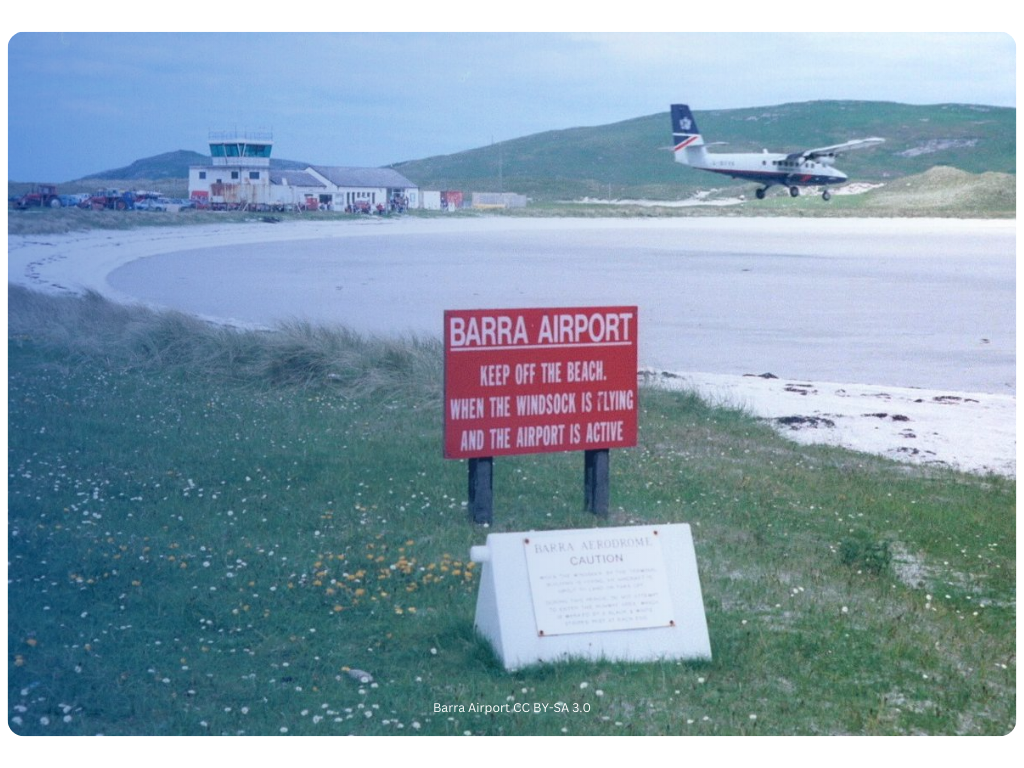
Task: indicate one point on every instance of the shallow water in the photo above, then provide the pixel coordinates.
(883, 302)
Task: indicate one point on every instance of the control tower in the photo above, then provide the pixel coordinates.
(238, 175)
(249, 148)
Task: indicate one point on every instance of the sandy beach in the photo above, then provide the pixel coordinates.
(974, 432)
(971, 431)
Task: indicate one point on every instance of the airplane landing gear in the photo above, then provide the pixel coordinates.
(760, 193)
(794, 191)
(826, 195)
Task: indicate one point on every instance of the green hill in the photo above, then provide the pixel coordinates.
(173, 165)
(169, 165)
(632, 158)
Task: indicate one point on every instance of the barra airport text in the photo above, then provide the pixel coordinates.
(519, 708)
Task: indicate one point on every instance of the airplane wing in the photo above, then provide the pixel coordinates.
(836, 149)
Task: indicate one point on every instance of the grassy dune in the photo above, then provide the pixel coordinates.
(220, 532)
(951, 190)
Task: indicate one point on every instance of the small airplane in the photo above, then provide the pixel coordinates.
(812, 167)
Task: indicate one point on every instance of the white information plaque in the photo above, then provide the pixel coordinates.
(630, 593)
(597, 580)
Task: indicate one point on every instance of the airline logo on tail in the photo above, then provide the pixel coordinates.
(684, 128)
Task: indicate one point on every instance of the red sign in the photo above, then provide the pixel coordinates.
(539, 380)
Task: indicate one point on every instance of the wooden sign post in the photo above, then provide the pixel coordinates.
(523, 381)
(596, 488)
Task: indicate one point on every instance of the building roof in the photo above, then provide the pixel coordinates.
(295, 179)
(364, 177)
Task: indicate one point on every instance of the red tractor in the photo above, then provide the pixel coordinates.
(112, 199)
(43, 196)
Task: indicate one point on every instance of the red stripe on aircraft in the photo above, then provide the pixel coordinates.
(683, 144)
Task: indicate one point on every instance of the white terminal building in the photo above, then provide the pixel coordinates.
(239, 176)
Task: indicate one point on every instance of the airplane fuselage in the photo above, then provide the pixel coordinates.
(765, 168)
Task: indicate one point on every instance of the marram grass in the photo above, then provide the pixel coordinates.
(222, 532)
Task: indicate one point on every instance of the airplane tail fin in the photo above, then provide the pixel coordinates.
(685, 134)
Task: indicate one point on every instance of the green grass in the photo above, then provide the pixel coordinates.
(198, 544)
(631, 158)
(36, 221)
(941, 192)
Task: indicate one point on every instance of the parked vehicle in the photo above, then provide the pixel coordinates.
(112, 199)
(70, 201)
(155, 204)
(43, 196)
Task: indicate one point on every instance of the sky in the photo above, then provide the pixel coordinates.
(85, 102)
